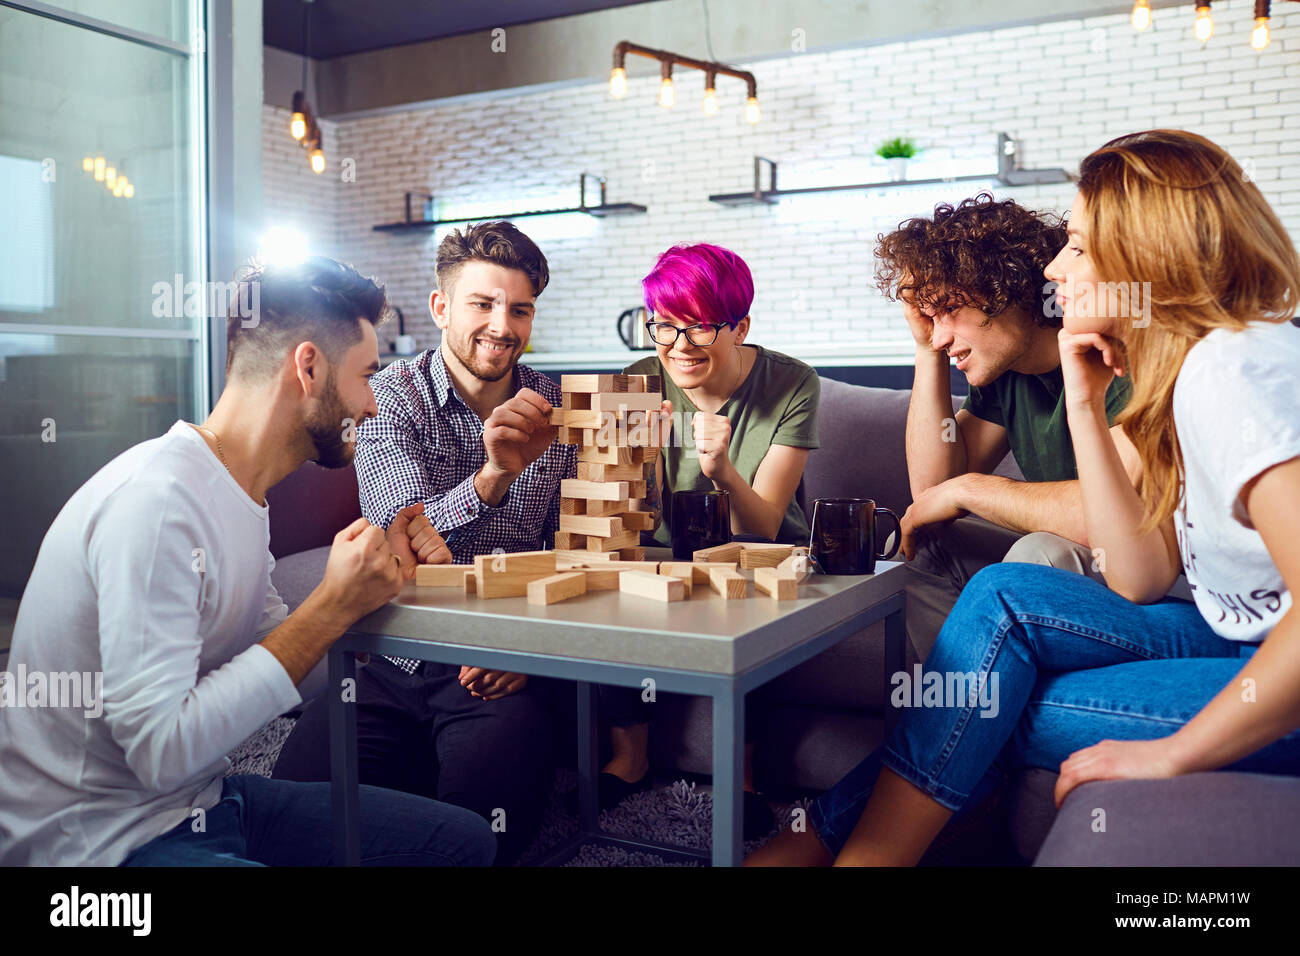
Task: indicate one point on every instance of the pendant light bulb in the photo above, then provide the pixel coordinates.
(298, 126)
(1259, 36)
(99, 169)
(110, 177)
(1141, 14)
(618, 83)
(710, 102)
(752, 115)
(88, 164)
(667, 95)
(1204, 23)
(317, 160)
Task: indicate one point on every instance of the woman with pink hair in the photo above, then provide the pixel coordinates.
(747, 418)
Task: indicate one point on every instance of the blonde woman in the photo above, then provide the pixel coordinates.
(1117, 681)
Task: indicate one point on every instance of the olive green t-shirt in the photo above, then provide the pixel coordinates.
(1032, 410)
(775, 405)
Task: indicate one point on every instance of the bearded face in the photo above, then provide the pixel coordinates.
(332, 428)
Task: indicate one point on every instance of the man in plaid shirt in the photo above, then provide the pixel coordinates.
(464, 432)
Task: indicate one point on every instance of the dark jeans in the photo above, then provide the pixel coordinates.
(423, 733)
(260, 822)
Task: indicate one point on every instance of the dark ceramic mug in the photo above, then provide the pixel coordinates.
(700, 519)
(844, 536)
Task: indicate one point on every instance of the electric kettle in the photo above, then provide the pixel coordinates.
(635, 336)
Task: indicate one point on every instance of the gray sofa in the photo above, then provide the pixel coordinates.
(825, 716)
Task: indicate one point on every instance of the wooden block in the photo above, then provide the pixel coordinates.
(598, 490)
(597, 527)
(687, 578)
(592, 421)
(569, 436)
(630, 554)
(764, 555)
(730, 553)
(557, 416)
(556, 588)
(636, 489)
(638, 520)
(698, 569)
(604, 577)
(797, 565)
(636, 383)
(442, 575)
(564, 541)
(583, 556)
(471, 583)
(598, 471)
(783, 587)
(607, 455)
(593, 383)
(575, 400)
(602, 509)
(508, 575)
(621, 403)
(659, 587)
(728, 583)
(628, 539)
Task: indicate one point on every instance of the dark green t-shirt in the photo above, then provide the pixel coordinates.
(775, 405)
(1032, 410)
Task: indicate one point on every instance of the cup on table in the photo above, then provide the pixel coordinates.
(844, 536)
(700, 519)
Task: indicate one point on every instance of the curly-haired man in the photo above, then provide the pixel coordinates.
(970, 280)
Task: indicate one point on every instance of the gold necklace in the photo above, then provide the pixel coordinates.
(739, 371)
(220, 451)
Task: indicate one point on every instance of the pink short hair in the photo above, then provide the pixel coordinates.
(703, 282)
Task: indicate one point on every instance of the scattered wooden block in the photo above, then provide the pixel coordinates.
(630, 554)
(508, 575)
(764, 555)
(442, 575)
(659, 587)
(599, 471)
(592, 527)
(687, 578)
(604, 577)
(783, 587)
(628, 539)
(729, 553)
(638, 520)
(624, 402)
(556, 588)
(583, 556)
(728, 583)
(471, 583)
(593, 383)
(699, 570)
(797, 565)
(599, 491)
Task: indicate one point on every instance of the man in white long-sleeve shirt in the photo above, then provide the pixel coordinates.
(156, 574)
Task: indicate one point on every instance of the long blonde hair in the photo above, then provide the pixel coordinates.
(1173, 209)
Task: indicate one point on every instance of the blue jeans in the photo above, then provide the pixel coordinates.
(1063, 663)
(263, 822)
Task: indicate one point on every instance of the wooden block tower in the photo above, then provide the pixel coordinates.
(610, 418)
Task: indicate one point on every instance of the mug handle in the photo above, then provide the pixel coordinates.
(898, 534)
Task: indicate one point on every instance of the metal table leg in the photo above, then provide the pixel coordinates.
(588, 749)
(728, 766)
(895, 660)
(343, 757)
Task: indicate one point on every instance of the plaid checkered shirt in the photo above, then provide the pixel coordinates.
(426, 445)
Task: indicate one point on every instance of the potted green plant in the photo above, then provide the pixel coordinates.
(896, 152)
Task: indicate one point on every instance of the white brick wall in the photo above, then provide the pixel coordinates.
(1061, 88)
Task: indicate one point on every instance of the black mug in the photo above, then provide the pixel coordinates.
(700, 519)
(844, 536)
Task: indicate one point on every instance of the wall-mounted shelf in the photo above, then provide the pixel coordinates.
(601, 209)
(1007, 175)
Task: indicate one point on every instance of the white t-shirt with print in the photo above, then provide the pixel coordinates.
(1237, 412)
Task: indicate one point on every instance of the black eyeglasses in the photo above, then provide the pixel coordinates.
(701, 336)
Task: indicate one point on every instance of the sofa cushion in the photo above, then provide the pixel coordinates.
(310, 506)
(296, 575)
(1201, 819)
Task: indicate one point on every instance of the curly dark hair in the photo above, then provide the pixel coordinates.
(980, 253)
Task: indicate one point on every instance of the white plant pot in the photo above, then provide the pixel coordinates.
(897, 168)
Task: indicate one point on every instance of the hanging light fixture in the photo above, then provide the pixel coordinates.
(1204, 22)
(302, 124)
(667, 92)
(1259, 34)
(1141, 14)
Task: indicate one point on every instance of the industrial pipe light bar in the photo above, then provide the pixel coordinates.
(667, 92)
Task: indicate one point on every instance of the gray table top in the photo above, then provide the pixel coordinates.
(703, 633)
